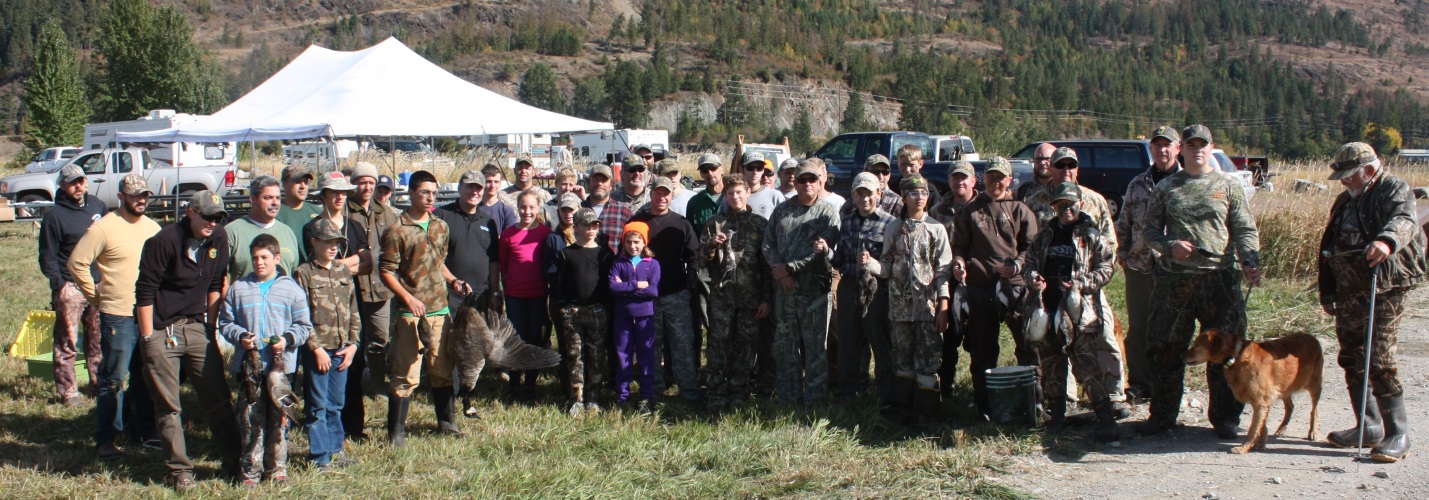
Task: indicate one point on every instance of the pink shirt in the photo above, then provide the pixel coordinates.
(521, 261)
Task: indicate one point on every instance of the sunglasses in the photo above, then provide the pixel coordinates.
(218, 217)
(1065, 166)
(879, 171)
(707, 168)
(754, 166)
(636, 169)
(806, 180)
(647, 156)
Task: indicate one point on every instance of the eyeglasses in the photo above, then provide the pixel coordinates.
(917, 193)
(1064, 165)
(1065, 208)
(708, 168)
(754, 166)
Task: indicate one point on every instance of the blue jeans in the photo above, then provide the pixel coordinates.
(324, 398)
(529, 318)
(116, 405)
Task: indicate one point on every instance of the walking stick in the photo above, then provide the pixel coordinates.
(1368, 354)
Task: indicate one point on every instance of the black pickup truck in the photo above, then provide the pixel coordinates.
(845, 154)
(1104, 165)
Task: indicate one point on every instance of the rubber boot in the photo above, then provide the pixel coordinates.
(1057, 414)
(1395, 445)
(397, 420)
(1373, 428)
(1107, 429)
(925, 405)
(444, 401)
(902, 401)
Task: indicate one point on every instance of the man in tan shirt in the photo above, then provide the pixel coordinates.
(113, 245)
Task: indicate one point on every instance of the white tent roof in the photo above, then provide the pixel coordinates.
(384, 90)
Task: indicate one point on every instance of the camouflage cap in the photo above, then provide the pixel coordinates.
(326, 230)
(876, 160)
(962, 167)
(568, 200)
(810, 166)
(1065, 153)
(586, 217)
(1000, 165)
(525, 159)
(631, 162)
(867, 181)
(472, 177)
(296, 172)
(134, 185)
(663, 182)
(1350, 158)
(1196, 131)
(666, 166)
(709, 159)
(600, 169)
(207, 203)
(751, 157)
(70, 173)
(1067, 191)
(1166, 132)
(788, 164)
(911, 182)
(636, 148)
(334, 181)
(364, 169)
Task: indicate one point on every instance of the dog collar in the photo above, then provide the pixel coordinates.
(1239, 344)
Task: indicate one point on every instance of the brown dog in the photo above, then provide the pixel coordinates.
(1261, 372)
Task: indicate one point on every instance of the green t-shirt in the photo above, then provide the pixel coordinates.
(241, 233)
(295, 219)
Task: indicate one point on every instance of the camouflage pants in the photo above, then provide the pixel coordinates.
(729, 357)
(801, 324)
(673, 327)
(263, 430)
(71, 312)
(1214, 300)
(585, 328)
(1350, 328)
(1083, 356)
(917, 351)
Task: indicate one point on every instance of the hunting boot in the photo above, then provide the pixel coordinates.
(1057, 414)
(444, 401)
(902, 400)
(397, 420)
(1373, 429)
(925, 409)
(1107, 430)
(1396, 431)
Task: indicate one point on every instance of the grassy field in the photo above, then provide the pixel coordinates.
(534, 450)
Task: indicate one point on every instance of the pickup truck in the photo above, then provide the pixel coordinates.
(50, 159)
(845, 154)
(106, 167)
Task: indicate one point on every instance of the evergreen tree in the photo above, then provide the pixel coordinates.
(538, 88)
(588, 99)
(54, 94)
(854, 119)
(150, 61)
(627, 101)
(801, 134)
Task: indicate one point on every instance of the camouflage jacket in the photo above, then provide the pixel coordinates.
(332, 304)
(416, 257)
(1092, 266)
(1210, 212)
(1386, 211)
(917, 261)
(790, 240)
(737, 267)
(1131, 248)
(1093, 205)
(376, 221)
(947, 210)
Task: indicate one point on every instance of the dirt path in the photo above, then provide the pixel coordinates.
(1192, 463)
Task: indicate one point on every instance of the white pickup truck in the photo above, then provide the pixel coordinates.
(50, 159)
(106, 167)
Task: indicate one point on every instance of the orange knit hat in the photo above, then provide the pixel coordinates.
(637, 227)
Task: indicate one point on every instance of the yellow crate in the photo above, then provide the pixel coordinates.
(36, 335)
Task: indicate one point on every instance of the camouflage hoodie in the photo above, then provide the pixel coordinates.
(1387, 211)
(1131, 248)
(1093, 266)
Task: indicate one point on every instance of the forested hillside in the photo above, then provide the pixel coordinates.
(1294, 78)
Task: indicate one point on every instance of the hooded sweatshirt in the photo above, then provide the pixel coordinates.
(60, 230)
(279, 307)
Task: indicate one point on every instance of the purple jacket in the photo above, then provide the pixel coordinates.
(629, 300)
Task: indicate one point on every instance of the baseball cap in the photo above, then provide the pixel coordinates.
(472, 177)
(295, 172)
(491, 168)
(525, 159)
(666, 166)
(386, 182)
(568, 200)
(1166, 132)
(751, 157)
(586, 216)
(207, 203)
(1000, 165)
(709, 159)
(1196, 131)
(636, 149)
(364, 169)
(134, 185)
(601, 169)
(788, 164)
(663, 182)
(631, 162)
(867, 181)
(876, 159)
(1350, 158)
(962, 167)
(911, 182)
(334, 181)
(1064, 153)
(809, 167)
(327, 231)
(70, 173)
(1067, 191)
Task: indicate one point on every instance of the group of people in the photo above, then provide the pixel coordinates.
(722, 293)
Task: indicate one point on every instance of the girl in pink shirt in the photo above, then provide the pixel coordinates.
(524, 281)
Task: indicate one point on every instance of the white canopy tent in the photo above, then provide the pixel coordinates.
(383, 90)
